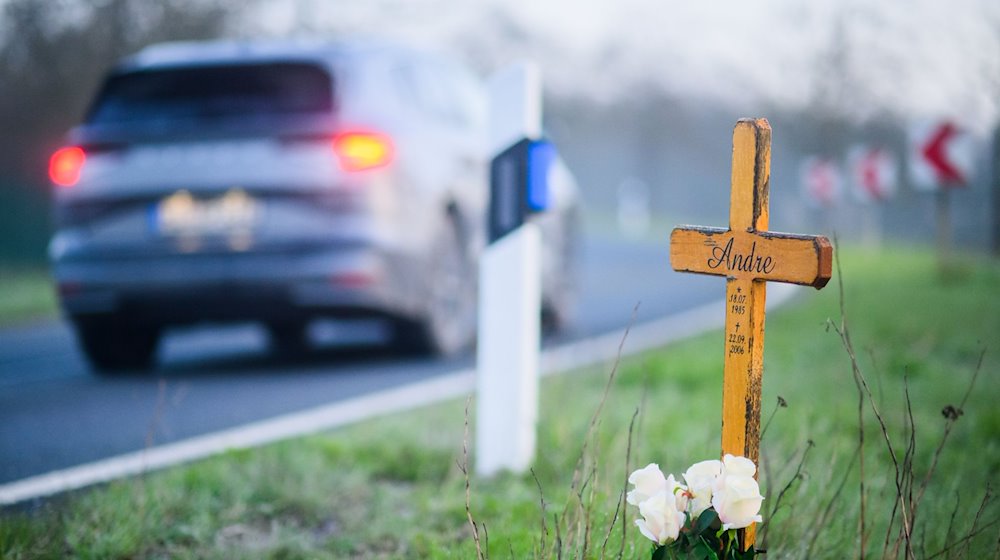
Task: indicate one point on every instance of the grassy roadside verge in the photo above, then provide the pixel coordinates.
(26, 293)
(392, 488)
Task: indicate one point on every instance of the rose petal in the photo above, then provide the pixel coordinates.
(644, 529)
(648, 481)
(738, 466)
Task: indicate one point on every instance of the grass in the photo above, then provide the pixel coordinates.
(392, 488)
(26, 293)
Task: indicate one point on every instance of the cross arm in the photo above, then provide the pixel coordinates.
(689, 246)
(768, 256)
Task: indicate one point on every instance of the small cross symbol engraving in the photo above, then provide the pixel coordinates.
(748, 256)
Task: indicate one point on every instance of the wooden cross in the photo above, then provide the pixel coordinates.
(748, 256)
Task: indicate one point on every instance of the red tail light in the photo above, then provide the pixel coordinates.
(359, 151)
(65, 166)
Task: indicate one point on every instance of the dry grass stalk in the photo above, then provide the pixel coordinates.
(620, 504)
(951, 521)
(464, 467)
(781, 403)
(862, 497)
(797, 476)
(559, 541)
(543, 542)
(765, 469)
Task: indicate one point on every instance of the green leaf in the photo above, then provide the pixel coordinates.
(705, 520)
(703, 551)
(659, 553)
(736, 554)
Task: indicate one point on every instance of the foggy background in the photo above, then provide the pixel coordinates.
(637, 91)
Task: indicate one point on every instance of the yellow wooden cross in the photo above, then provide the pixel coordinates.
(748, 256)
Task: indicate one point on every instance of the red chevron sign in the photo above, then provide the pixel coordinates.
(941, 155)
(873, 173)
(821, 181)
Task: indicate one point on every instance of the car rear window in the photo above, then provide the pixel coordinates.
(206, 93)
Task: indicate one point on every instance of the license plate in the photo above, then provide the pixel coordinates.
(183, 215)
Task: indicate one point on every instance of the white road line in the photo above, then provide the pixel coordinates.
(456, 384)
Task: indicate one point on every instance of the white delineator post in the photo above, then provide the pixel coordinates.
(509, 293)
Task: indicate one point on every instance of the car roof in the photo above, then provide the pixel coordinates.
(197, 53)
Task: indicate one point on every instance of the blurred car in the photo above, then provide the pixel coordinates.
(279, 182)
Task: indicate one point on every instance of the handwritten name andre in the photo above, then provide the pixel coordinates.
(750, 262)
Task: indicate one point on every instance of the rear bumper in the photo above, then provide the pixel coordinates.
(177, 289)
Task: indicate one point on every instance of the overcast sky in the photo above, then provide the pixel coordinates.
(915, 58)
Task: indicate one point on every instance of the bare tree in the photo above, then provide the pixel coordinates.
(56, 52)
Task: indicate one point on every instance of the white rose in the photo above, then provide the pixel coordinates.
(739, 466)
(700, 478)
(736, 495)
(648, 481)
(661, 520)
(733, 465)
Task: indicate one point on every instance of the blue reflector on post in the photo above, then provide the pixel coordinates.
(541, 154)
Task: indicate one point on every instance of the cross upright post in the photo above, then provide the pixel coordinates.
(748, 256)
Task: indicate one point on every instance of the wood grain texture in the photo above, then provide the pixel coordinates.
(743, 367)
(751, 175)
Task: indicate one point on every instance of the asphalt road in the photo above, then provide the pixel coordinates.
(55, 414)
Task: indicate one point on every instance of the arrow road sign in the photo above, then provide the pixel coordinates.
(941, 155)
(821, 181)
(873, 173)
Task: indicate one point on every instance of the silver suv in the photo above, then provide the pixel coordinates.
(279, 182)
